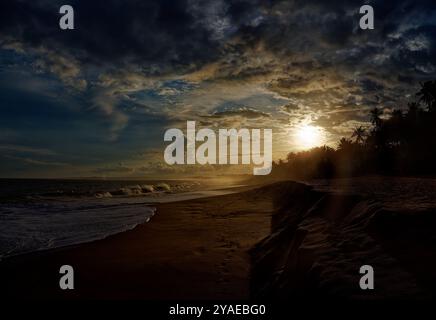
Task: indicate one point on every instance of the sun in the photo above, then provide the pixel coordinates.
(308, 136)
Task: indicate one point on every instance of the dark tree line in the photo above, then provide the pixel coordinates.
(403, 144)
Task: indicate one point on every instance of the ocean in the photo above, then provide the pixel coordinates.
(43, 214)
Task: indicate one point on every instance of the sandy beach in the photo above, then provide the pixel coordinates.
(281, 241)
(194, 249)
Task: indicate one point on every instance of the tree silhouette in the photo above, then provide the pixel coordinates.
(413, 107)
(397, 114)
(427, 94)
(345, 144)
(375, 116)
(401, 144)
(359, 134)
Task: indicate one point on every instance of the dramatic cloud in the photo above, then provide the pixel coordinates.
(241, 112)
(132, 69)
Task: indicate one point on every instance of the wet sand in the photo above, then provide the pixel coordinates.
(194, 249)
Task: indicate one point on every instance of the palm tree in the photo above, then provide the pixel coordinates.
(428, 94)
(413, 106)
(413, 110)
(359, 134)
(397, 114)
(375, 117)
(345, 144)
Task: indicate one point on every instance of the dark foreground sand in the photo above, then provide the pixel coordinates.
(281, 241)
(322, 236)
(194, 249)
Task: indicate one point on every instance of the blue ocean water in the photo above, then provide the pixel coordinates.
(43, 214)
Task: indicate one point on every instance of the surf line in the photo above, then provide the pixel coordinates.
(206, 153)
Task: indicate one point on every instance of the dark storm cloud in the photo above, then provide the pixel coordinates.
(161, 32)
(133, 65)
(165, 36)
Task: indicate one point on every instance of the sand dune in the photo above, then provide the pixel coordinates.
(319, 240)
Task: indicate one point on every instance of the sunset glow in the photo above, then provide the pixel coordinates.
(308, 136)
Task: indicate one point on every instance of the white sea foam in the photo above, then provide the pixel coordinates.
(139, 190)
(43, 214)
(162, 187)
(103, 195)
(38, 226)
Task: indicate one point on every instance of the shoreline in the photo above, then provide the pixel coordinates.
(149, 202)
(202, 244)
(282, 241)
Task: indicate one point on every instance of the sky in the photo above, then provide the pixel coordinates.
(96, 101)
